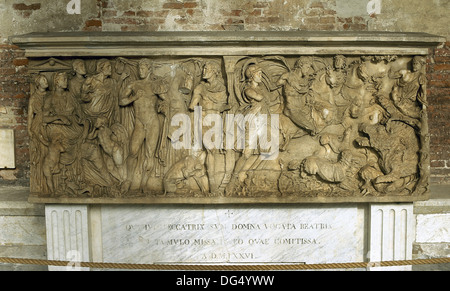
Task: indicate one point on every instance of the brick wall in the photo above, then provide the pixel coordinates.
(439, 112)
(14, 93)
(223, 15)
(163, 15)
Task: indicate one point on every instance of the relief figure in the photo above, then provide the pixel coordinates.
(305, 104)
(180, 176)
(143, 95)
(76, 83)
(64, 125)
(256, 96)
(270, 126)
(99, 94)
(410, 89)
(397, 148)
(38, 138)
(211, 95)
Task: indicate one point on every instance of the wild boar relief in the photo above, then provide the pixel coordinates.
(331, 128)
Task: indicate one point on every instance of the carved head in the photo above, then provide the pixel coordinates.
(254, 73)
(294, 164)
(363, 72)
(376, 132)
(104, 66)
(79, 67)
(375, 114)
(41, 82)
(356, 109)
(339, 62)
(310, 165)
(211, 69)
(119, 65)
(144, 66)
(61, 80)
(305, 65)
(418, 62)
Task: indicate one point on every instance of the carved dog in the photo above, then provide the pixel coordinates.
(397, 147)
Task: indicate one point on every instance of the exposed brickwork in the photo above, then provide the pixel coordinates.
(245, 15)
(182, 15)
(439, 112)
(14, 93)
(93, 25)
(25, 7)
(26, 10)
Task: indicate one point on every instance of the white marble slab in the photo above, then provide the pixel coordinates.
(433, 228)
(22, 230)
(7, 158)
(233, 234)
(391, 234)
(67, 235)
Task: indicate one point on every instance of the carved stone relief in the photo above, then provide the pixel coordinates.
(229, 128)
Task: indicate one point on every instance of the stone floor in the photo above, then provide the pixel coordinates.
(436, 267)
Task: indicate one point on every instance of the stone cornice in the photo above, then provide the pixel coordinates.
(209, 43)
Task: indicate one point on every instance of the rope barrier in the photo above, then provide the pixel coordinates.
(196, 267)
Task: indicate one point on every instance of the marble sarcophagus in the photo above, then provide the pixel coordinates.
(229, 117)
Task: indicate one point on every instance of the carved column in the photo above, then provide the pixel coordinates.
(392, 230)
(67, 235)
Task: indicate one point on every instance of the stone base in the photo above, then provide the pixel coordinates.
(391, 234)
(432, 229)
(22, 229)
(219, 234)
(237, 234)
(67, 235)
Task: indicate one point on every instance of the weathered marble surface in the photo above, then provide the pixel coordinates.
(7, 145)
(22, 229)
(237, 234)
(153, 117)
(433, 228)
(67, 234)
(392, 231)
(224, 42)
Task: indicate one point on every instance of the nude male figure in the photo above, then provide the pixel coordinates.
(143, 94)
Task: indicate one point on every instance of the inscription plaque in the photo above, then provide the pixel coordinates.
(7, 157)
(251, 118)
(162, 234)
